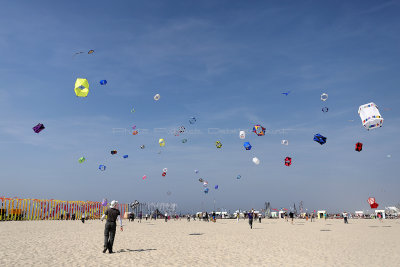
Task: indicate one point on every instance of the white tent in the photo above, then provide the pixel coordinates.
(370, 116)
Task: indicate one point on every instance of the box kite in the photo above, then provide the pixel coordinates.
(81, 160)
(218, 144)
(288, 161)
(372, 203)
(164, 173)
(256, 161)
(320, 139)
(125, 156)
(81, 87)
(102, 167)
(206, 190)
(216, 187)
(359, 146)
(113, 152)
(192, 120)
(259, 130)
(38, 128)
(247, 145)
(370, 116)
(242, 134)
(103, 82)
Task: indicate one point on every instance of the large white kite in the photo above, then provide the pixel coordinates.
(370, 116)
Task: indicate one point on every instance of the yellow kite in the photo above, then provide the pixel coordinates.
(81, 87)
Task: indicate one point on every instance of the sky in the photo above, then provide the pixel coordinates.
(225, 63)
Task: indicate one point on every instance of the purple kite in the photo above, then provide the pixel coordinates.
(38, 128)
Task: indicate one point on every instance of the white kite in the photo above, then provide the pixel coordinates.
(370, 116)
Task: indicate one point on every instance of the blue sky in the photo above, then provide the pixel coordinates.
(224, 62)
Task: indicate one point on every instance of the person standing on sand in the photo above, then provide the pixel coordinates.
(345, 217)
(291, 215)
(83, 218)
(111, 226)
(251, 219)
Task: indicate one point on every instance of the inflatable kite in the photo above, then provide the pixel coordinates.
(285, 142)
(320, 139)
(164, 173)
(184, 140)
(216, 187)
(242, 134)
(102, 167)
(165, 170)
(324, 97)
(192, 120)
(238, 177)
(144, 177)
(38, 128)
(206, 190)
(134, 204)
(81, 87)
(90, 52)
(325, 109)
(103, 82)
(161, 142)
(359, 146)
(247, 145)
(104, 202)
(157, 97)
(218, 144)
(372, 203)
(181, 129)
(370, 116)
(201, 180)
(81, 160)
(125, 156)
(113, 152)
(135, 132)
(196, 171)
(142, 146)
(259, 130)
(288, 161)
(256, 161)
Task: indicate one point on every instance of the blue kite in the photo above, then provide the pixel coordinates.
(247, 145)
(320, 139)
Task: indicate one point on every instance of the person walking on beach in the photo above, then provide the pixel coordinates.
(259, 218)
(238, 216)
(83, 218)
(140, 217)
(166, 217)
(111, 225)
(345, 217)
(291, 215)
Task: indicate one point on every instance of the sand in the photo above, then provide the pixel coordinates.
(224, 243)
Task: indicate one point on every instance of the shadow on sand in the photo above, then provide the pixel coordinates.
(135, 250)
(197, 234)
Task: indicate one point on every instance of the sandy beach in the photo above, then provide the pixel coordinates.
(194, 243)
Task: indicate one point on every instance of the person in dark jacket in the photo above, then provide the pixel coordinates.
(111, 225)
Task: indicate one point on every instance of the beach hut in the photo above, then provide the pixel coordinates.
(382, 212)
(321, 214)
(274, 214)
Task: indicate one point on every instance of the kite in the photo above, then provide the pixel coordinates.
(287, 93)
(205, 183)
(144, 177)
(134, 204)
(184, 140)
(259, 130)
(285, 142)
(288, 161)
(169, 193)
(81, 87)
(206, 190)
(218, 144)
(256, 161)
(201, 180)
(81, 160)
(325, 109)
(102, 167)
(370, 116)
(181, 129)
(372, 203)
(157, 97)
(247, 145)
(125, 156)
(165, 170)
(196, 171)
(192, 120)
(324, 97)
(134, 127)
(135, 132)
(238, 177)
(242, 134)
(103, 82)
(359, 146)
(161, 142)
(216, 187)
(38, 128)
(90, 52)
(113, 152)
(104, 202)
(164, 173)
(142, 146)
(132, 110)
(320, 139)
